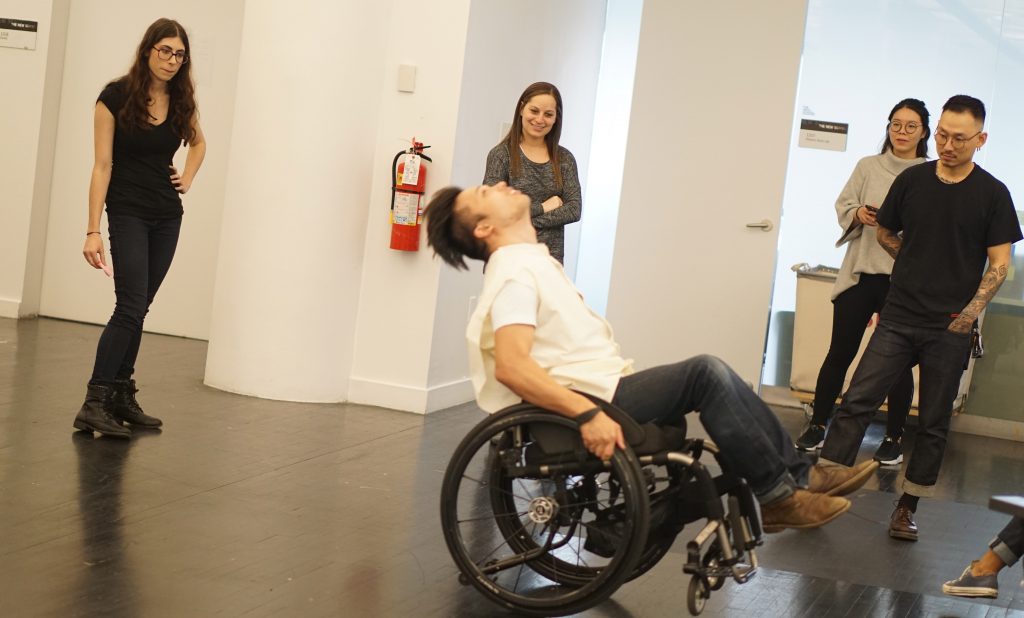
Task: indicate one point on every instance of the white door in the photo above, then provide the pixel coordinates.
(703, 181)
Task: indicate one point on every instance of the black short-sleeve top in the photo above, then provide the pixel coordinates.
(140, 179)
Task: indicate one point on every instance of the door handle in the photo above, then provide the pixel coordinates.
(764, 224)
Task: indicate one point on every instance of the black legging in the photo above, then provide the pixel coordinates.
(141, 251)
(851, 312)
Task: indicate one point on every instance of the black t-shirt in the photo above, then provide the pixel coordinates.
(140, 179)
(947, 230)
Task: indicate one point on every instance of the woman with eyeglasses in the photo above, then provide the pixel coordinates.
(863, 280)
(529, 159)
(140, 121)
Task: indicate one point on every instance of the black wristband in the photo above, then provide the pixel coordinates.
(585, 417)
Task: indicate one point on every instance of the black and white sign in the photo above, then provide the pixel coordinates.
(18, 33)
(823, 135)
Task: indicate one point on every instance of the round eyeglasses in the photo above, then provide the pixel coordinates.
(958, 142)
(166, 53)
(898, 127)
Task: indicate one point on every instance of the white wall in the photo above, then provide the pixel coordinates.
(101, 44)
(30, 101)
(505, 49)
(394, 331)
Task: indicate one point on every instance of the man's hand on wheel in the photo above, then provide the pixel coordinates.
(601, 435)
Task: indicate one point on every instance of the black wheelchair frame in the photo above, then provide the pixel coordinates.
(540, 526)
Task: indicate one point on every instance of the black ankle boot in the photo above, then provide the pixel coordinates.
(95, 413)
(127, 409)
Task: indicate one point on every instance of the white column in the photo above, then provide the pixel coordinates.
(28, 125)
(295, 213)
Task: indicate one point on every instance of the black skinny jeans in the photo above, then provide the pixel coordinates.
(851, 312)
(141, 251)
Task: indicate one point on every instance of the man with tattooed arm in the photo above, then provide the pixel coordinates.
(940, 221)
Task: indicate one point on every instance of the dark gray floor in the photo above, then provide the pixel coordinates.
(247, 507)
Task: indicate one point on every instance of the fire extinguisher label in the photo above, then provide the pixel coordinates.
(406, 211)
(411, 173)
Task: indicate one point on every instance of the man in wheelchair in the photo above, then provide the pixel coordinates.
(532, 338)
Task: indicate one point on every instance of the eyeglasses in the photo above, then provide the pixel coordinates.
(896, 127)
(958, 142)
(166, 53)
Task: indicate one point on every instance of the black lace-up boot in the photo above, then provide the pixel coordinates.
(127, 409)
(95, 414)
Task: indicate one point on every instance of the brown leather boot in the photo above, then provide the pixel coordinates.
(802, 509)
(94, 414)
(902, 525)
(127, 409)
(840, 480)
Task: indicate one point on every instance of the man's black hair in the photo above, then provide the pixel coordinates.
(961, 103)
(449, 233)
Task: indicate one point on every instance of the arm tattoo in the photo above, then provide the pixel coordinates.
(990, 284)
(889, 241)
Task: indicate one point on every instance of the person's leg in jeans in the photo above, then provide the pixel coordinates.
(851, 312)
(943, 355)
(753, 443)
(129, 252)
(901, 396)
(163, 240)
(888, 355)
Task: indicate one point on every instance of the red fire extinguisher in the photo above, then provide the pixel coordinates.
(408, 185)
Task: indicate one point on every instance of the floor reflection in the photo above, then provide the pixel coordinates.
(106, 584)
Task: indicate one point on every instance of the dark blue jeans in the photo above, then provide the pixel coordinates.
(141, 251)
(940, 356)
(753, 443)
(1009, 543)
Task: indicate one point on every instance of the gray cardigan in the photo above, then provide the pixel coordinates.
(867, 186)
(537, 180)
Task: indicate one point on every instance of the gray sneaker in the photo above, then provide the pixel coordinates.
(973, 586)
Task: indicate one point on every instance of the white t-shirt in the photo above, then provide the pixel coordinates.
(516, 303)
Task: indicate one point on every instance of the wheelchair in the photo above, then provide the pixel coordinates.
(539, 526)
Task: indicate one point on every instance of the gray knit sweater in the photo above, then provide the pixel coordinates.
(868, 186)
(537, 180)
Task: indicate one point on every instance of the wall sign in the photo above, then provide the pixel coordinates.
(18, 33)
(823, 135)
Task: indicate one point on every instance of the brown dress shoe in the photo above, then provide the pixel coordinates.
(902, 525)
(802, 509)
(839, 480)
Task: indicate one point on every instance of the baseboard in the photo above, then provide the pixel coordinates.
(988, 427)
(9, 308)
(408, 398)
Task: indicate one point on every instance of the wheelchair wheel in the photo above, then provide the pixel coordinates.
(697, 595)
(534, 523)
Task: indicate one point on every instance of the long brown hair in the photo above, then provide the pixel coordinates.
(135, 111)
(515, 134)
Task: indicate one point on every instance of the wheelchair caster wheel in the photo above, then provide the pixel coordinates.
(697, 596)
(710, 562)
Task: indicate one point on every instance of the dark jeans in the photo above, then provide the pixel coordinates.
(753, 443)
(1009, 543)
(141, 251)
(851, 312)
(940, 356)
